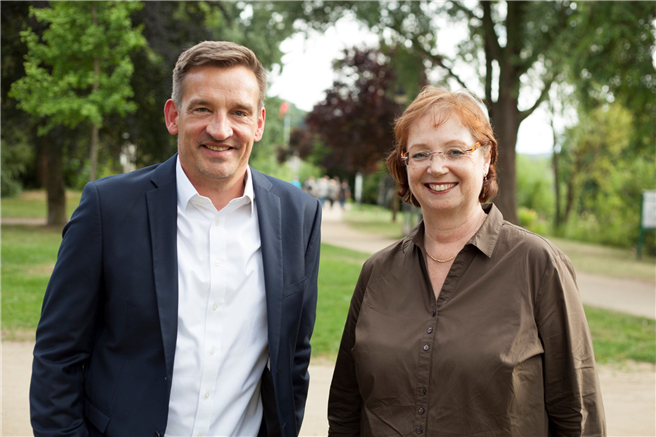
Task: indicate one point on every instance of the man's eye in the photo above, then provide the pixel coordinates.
(201, 110)
(240, 114)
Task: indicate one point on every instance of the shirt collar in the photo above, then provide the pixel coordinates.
(485, 239)
(186, 190)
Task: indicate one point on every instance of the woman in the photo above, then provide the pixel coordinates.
(469, 326)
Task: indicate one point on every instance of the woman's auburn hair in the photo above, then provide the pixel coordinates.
(443, 104)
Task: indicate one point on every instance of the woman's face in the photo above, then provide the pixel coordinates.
(451, 181)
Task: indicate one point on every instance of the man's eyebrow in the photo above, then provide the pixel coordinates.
(198, 102)
(243, 107)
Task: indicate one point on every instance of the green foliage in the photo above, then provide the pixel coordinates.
(16, 156)
(603, 177)
(79, 71)
(534, 184)
(612, 59)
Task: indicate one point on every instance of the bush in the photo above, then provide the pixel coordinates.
(15, 159)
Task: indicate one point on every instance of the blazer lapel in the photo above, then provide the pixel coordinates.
(270, 222)
(162, 216)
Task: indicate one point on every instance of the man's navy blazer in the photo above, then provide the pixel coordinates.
(105, 344)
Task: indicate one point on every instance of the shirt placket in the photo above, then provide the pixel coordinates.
(213, 325)
(424, 371)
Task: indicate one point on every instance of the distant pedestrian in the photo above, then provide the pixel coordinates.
(295, 182)
(310, 187)
(322, 189)
(344, 193)
(333, 190)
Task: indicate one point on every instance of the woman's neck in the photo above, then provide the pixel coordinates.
(452, 229)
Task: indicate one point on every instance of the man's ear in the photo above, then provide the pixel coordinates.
(260, 125)
(171, 116)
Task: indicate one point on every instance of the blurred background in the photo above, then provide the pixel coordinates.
(570, 88)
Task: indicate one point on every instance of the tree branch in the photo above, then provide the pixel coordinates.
(468, 12)
(489, 34)
(543, 95)
(437, 60)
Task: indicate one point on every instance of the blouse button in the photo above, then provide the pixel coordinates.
(421, 411)
(430, 330)
(419, 430)
(434, 312)
(426, 347)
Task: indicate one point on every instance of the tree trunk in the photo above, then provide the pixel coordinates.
(554, 164)
(93, 155)
(505, 120)
(55, 188)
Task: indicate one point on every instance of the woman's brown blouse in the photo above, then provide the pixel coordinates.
(504, 351)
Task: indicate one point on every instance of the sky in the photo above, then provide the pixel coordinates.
(307, 73)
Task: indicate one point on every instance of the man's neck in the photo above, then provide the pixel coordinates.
(222, 191)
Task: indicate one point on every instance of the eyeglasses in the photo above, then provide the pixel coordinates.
(452, 154)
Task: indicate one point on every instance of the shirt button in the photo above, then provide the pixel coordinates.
(426, 347)
(434, 312)
(429, 330)
(217, 263)
(214, 307)
(419, 430)
(217, 222)
(212, 351)
(207, 395)
(422, 391)
(421, 411)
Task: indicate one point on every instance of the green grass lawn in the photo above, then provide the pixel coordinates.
(376, 220)
(32, 204)
(29, 253)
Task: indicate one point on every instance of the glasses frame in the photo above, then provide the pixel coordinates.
(472, 149)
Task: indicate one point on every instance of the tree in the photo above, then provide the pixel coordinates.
(603, 177)
(78, 71)
(516, 50)
(355, 120)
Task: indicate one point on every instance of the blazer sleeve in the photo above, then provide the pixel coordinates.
(345, 402)
(64, 337)
(301, 379)
(572, 393)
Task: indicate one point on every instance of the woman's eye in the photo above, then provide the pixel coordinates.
(418, 156)
(455, 152)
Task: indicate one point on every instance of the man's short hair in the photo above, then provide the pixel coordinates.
(221, 54)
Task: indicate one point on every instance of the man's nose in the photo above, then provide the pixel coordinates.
(219, 127)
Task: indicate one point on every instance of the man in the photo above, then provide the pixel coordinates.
(184, 294)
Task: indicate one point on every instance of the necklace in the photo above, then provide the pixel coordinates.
(441, 261)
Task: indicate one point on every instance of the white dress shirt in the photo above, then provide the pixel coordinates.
(222, 346)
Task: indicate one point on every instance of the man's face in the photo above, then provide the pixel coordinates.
(217, 122)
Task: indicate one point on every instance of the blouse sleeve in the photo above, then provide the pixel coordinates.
(572, 392)
(345, 401)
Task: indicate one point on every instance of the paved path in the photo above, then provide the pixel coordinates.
(628, 391)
